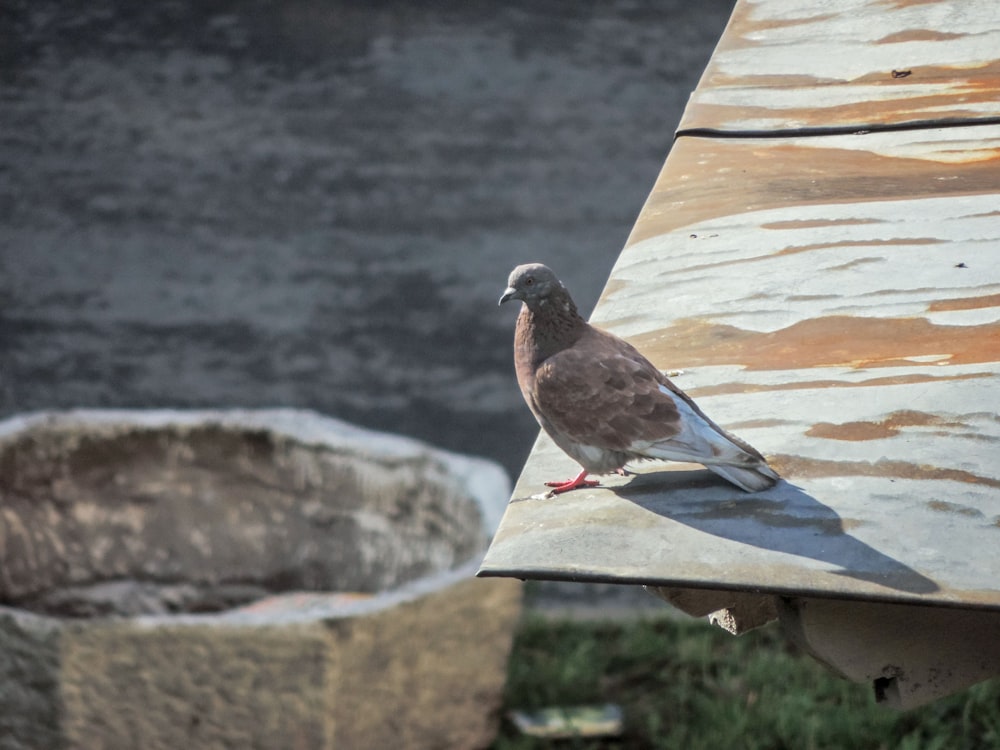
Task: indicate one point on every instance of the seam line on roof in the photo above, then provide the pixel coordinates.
(817, 132)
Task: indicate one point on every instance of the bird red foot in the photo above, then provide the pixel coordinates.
(580, 480)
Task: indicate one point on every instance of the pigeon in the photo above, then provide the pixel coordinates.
(602, 402)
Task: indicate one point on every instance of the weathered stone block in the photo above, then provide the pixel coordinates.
(244, 580)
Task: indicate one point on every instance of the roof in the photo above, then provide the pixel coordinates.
(820, 257)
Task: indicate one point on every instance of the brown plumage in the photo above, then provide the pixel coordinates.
(604, 403)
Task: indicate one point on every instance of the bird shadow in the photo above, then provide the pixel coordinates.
(784, 519)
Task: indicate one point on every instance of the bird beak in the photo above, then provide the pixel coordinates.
(509, 294)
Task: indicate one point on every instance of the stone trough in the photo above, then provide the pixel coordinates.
(252, 579)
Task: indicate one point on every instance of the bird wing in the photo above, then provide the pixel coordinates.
(603, 392)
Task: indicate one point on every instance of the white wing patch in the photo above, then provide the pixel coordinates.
(697, 441)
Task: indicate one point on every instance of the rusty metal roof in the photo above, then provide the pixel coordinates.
(851, 65)
(834, 300)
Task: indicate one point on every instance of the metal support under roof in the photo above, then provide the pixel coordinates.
(820, 258)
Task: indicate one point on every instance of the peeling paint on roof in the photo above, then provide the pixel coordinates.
(713, 178)
(869, 64)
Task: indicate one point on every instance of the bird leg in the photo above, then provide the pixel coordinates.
(580, 480)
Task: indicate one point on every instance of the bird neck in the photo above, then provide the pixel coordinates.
(549, 325)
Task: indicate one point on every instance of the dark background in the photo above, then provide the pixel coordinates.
(316, 204)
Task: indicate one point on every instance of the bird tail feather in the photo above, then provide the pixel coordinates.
(748, 478)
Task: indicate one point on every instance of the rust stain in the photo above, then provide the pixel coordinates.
(931, 92)
(926, 290)
(810, 297)
(889, 427)
(899, 4)
(742, 24)
(851, 431)
(855, 262)
(715, 78)
(748, 424)
(918, 35)
(942, 506)
(706, 178)
(724, 389)
(965, 303)
(820, 342)
(613, 285)
(804, 467)
(961, 79)
(850, 524)
(897, 241)
(812, 223)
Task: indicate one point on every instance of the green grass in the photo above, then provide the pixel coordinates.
(683, 684)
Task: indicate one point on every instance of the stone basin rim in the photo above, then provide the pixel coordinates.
(485, 482)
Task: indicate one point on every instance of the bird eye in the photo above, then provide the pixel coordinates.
(529, 281)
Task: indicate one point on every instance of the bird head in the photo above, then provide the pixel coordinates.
(531, 283)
